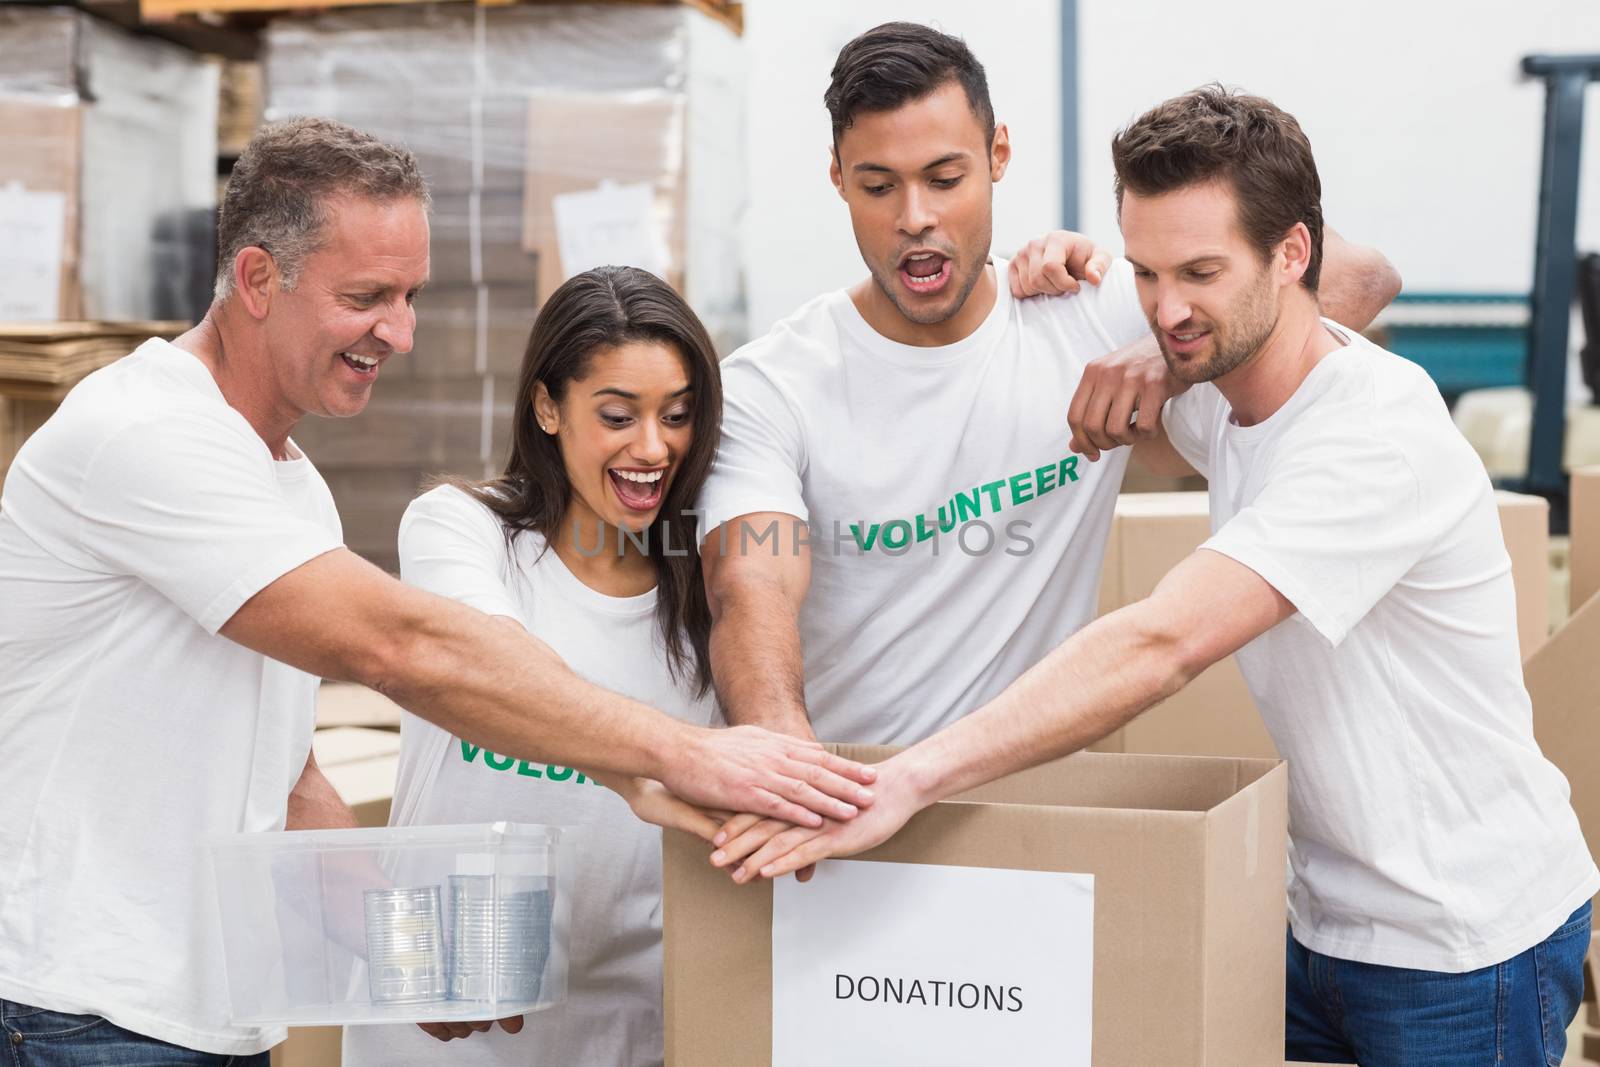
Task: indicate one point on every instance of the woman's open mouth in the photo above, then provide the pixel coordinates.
(639, 490)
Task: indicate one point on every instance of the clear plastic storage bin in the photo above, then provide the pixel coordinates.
(397, 924)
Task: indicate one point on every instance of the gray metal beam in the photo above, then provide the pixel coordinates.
(1555, 267)
(1069, 115)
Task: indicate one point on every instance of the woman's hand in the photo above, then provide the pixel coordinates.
(656, 804)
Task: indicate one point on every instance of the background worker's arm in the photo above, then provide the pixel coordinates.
(756, 592)
(338, 616)
(1206, 608)
(1357, 282)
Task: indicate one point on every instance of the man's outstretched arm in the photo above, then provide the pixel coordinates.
(338, 616)
(757, 573)
(1206, 608)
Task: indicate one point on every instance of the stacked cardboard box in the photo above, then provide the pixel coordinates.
(348, 704)
(1584, 513)
(1582, 731)
(1214, 715)
(507, 109)
(107, 190)
(238, 104)
(1563, 678)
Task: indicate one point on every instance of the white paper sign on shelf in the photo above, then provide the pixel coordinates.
(609, 224)
(900, 963)
(32, 228)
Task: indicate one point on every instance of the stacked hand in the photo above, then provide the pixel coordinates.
(771, 848)
(748, 769)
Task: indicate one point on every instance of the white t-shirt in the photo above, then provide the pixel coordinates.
(1426, 828)
(134, 523)
(453, 546)
(955, 538)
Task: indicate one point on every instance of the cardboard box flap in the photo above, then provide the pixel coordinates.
(1244, 973)
(1108, 780)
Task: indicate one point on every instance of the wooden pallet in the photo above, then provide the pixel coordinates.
(42, 361)
(728, 12)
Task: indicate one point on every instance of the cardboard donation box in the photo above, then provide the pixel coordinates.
(1112, 909)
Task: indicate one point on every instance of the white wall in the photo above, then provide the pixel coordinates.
(799, 242)
(1427, 139)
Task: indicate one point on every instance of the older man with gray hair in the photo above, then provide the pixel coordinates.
(172, 586)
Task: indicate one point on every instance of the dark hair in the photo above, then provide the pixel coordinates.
(591, 312)
(898, 62)
(1216, 134)
(279, 188)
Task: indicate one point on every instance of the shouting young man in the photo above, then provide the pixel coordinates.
(898, 526)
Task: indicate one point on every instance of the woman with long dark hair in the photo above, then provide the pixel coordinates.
(588, 541)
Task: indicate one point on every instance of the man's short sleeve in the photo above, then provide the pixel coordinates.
(1190, 421)
(453, 546)
(190, 504)
(761, 457)
(1334, 529)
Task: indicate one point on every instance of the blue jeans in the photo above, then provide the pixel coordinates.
(1514, 1014)
(37, 1037)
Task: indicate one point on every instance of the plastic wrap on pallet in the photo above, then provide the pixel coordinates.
(508, 108)
(144, 196)
(454, 86)
(471, 92)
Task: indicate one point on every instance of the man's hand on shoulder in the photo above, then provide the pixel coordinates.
(1056, 264)
(1119, 400)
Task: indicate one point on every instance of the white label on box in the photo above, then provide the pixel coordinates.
(612, 224)
(32, 227)
(901, 963)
